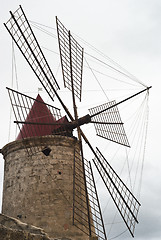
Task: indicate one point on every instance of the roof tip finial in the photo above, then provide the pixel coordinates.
(40, 90)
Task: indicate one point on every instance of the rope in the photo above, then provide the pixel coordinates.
(14, 71)
(40, 24)
(108, 58)
(123, 71)
(141, 141)
(128, 167)
(114, 78)
(118, 235)
(146, 131)
(50, 50)
(112, 223)
(106, 64)
(126, 74)
(43, 30)
(97, 80)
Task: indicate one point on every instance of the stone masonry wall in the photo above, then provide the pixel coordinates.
(39, 189)
(13, 229)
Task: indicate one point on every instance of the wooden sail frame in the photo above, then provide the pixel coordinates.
(21, 32)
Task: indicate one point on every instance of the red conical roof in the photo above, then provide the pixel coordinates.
(41, 114)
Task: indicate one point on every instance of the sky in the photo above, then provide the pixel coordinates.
(127, 31)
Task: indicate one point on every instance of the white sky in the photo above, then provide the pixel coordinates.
(128, 31)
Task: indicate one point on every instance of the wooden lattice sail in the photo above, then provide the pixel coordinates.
(87, 214)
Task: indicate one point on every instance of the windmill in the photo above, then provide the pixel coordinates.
(106, 119)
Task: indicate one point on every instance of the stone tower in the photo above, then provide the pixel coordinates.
(38, 189)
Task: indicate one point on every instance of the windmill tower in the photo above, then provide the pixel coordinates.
(40, 183)
(48, 182)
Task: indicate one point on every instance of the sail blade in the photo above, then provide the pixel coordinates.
(27, 109)
(80, 211)
(71, 54)
(108, 124)
(22, 34)
(124, 200)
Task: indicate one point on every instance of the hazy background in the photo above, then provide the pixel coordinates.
(129, 32)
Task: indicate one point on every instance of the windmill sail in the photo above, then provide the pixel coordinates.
(35, 112)
(71, 54)
(91, 224)
(21, 32)
(106, 118)
(108, 124)
(124, 200)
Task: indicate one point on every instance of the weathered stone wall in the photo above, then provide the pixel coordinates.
(39, 189)
(13, 229)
